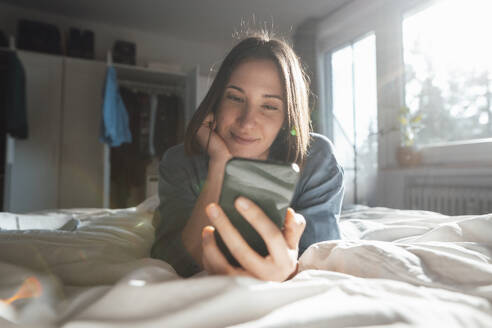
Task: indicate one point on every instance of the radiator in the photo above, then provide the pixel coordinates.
(449, 195)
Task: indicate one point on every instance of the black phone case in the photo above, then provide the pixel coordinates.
(269, 184)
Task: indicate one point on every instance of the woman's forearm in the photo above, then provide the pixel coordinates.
(191, 234)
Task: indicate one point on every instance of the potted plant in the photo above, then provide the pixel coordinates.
(410, 124)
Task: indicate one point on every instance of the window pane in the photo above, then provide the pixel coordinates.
(448, 71)
(366, 123)
(343, 106)
(354, 93)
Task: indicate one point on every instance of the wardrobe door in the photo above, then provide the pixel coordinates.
(32, 167)
(81, 165)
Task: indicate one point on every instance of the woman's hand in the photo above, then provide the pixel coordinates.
(279, 265)
(211, 141)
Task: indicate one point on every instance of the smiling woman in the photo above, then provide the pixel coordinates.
(256, 108)
(252, 111)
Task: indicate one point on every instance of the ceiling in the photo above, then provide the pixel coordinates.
(211, 21)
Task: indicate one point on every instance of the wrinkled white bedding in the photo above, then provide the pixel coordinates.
(392, 268)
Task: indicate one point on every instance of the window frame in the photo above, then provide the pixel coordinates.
(354, 168)
(384, 18)
(472, 151)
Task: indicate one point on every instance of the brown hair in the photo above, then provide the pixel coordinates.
(292, 141)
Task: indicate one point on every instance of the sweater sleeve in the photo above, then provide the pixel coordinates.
(320, 194)
(178, 191)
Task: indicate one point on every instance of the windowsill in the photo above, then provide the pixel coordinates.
(468, 153)
(471, 154)
(459, 143)
(447, 166)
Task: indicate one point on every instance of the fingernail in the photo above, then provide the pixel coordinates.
(212, 210)
(242, 203)
(206, 233)
(300, 220)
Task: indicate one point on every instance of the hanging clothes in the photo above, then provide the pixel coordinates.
(155, 122)
(114, 124)
(169, 119)
(13, 106)
(143, 115)
(153, 114)
(129, 160)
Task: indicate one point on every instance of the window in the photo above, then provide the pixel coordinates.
(354, 119)
(448, 71)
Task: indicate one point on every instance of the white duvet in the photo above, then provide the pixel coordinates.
(393, 268)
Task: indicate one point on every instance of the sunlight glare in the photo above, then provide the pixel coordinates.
(455, 34)
(137, 283)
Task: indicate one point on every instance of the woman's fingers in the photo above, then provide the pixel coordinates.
(293, 228)
(236, 244)
(206, 232)
(205, 264)
(213, 260)
(283, 252)
(278, 266)
(271, 234)
(210, 141)
(205, 130)
(208, 121)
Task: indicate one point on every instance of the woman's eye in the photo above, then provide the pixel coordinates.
(270, 107)
(235, 98)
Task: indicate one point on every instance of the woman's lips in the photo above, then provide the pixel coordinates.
(243, 140)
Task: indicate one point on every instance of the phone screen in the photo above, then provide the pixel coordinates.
(269, 184)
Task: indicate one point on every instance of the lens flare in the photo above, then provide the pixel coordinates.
(30, 288)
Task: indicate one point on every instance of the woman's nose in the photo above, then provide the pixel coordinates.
(247, 117)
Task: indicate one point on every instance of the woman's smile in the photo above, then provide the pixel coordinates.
(243, 139)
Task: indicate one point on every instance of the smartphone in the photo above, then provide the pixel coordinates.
(269, 184)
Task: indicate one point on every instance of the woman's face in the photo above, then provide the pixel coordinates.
(252, 109)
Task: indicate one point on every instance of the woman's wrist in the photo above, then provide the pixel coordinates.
(217, 164)
(191, 234)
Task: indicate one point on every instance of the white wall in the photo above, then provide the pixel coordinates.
(150, 47)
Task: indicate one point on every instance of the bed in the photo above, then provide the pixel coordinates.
(392, 268)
